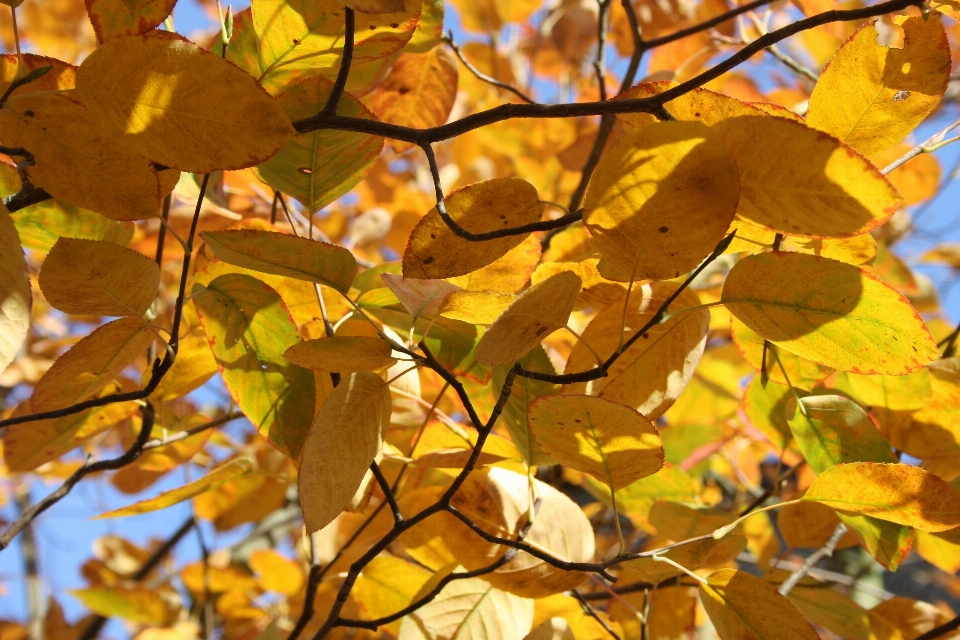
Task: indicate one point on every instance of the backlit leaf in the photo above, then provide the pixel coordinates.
(743, 607)
(112, 18)
(798, 181)
(523, 392)
(610, 441)
(419, 297)
(224, 473)
(897, 493)
(703, 554)
(475, 307)
(98, 278)
(349, 423)
(156, 94)
(535, 314)
(137, 604)
(829, 312)
(660, 201)
(277, 573)
(345, 354)
(434, 251)
(318, 167)
(893, 91)
(285, 255)
(387, 585)
(249, 328)
(16, 298)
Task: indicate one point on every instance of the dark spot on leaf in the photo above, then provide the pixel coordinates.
(664, 229)
(697, 114)
(577, 420)
(433, 236)
(428, 260)
(403, 90)
(372, 27)
(28, 113)
(394, 25)
(295, 41)
(646, 335)
(541, 331)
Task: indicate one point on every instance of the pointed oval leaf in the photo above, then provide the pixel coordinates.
(91, 364)
(535, 314)
(610, 441)
(832, 313)
(434, 251)
(318, 167)
(799, 181)
(249, 328)
(895, 89)
(343, 441)
(16, 298)
(743, 607)
(654, 370)
(98, 278)
(285, 255)
(475, 307)
(660, 201)
(222, 474)
(75, 158)
(419, 297)
(175, 104)
(112, 18)
(703, 554)
(342, 354)
(897, 493)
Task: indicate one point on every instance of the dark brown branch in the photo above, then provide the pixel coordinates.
(601, 371)
(130, 455)
(159, 368)
(346, 61)
(97, 623)
(387, 492)
(942, 630)
(650, 104)
(706, 24)
(593, 614)
(183, 435)
(482, 76)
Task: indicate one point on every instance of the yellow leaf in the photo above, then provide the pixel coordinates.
(797, 181)
(653, 371)
(808, 525)
(350, 423)
(342, 354)
(419, 92)
(894, 91)
(434, 251)
(157, 96)
(470, 609)
(113, 18)
(897, 493)
(802, 373)
(597, 292)
(940, 550)
(914, 618)
(276, 573)
(419, 297)
(91, 364)
(224, 473)
(429, 29)
(285, 255)
(917, 179)
(535, 314)
(567, 608)
(610, 441)
(743, 607)
(16, 298)
(509, 274)
(75, 158)
(829, 312)
(61, 76)
(552, 629)
(194, 365)
(373, 6)
(98, 278)
(475, 307)
(839, 614)
(387, 585)
(660, 201)
(210, 579)
(29, 445)
(142, 605)
(318, 167)
(892, 392)
(248, 329)
(524, 390)
(297, 34)
(703, 554)
(703, 105)
(856, 250)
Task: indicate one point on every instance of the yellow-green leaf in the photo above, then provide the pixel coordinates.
(387, 585)
(318, 167)
(610, 441)
(91, 364)
(535, 314)
(175, 104)
(434, 251)
(871, 96)
(898, 493)
(342, 444)
(743, 607)
(523, 392)
(112, 18)
(655, 369)
(16, 298)
(137, 604)
(98, 278)
(222, 474)
(285, 255)
(345, 354)
(660, 201)
(832, 313)
(703, 554)
(475, 307)
(249, 328)
(75, 157)
(798, 181)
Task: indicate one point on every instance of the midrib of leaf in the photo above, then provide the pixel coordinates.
(472, 611)
(595, 439)
(108, 366)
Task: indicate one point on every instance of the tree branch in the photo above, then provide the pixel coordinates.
(482, 76)
(824, 552)
(346, 61)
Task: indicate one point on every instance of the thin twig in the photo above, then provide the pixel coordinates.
(823, 552)
(924, 147)
(448, 39)
(593, 614)
(387, 492)
(186, 433)
(942, 630)
(346, 60)
(773, 488)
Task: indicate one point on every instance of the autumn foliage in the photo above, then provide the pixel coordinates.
(584, 320)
